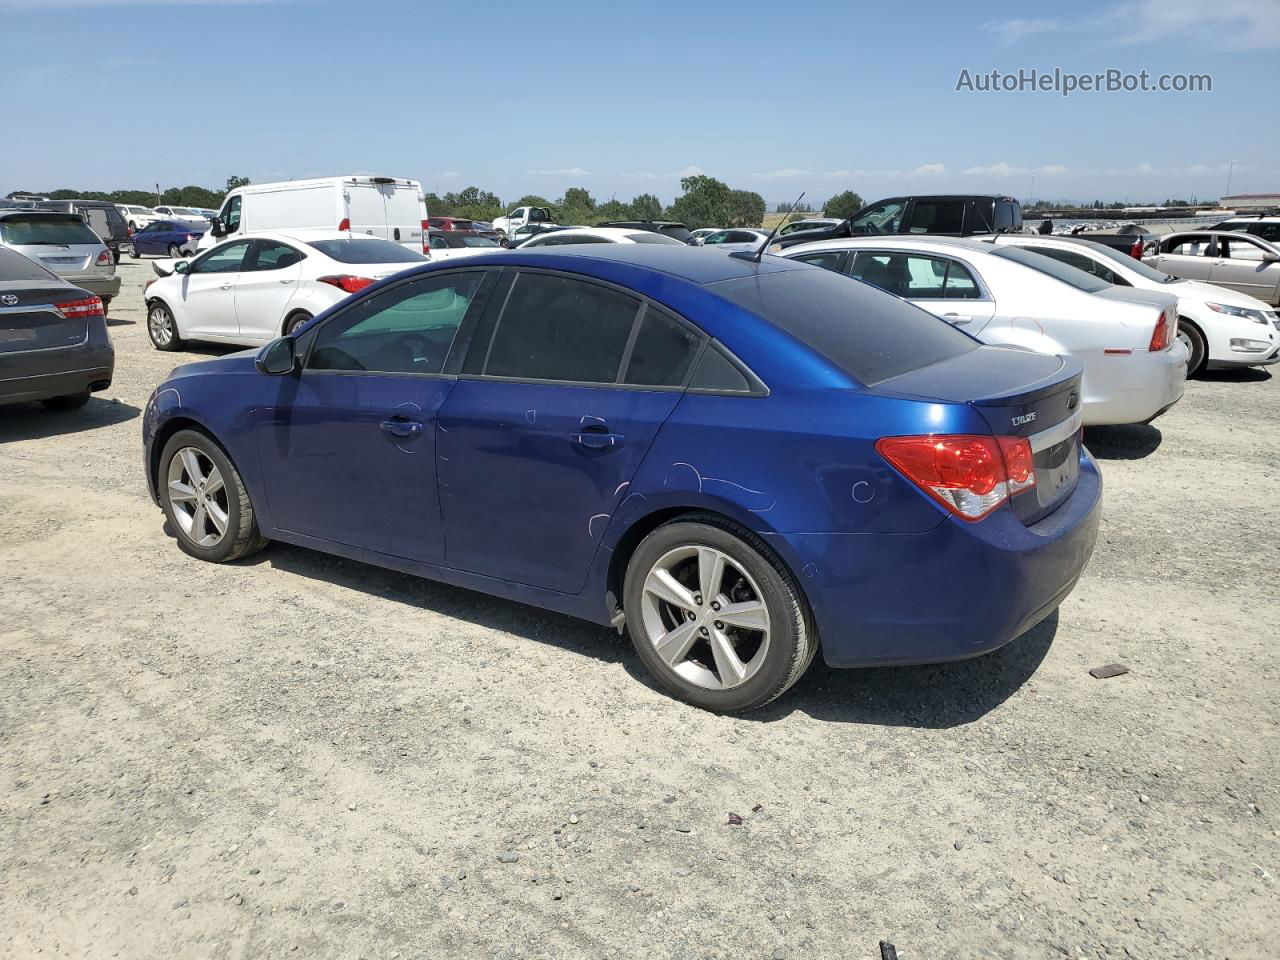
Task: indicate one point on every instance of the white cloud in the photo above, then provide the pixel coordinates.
(1226, 24)
(1053, 169)
(1011, 31)
(928, 169)
(448, 175)
(691, 171)
(642, 175)
(564, 172)
(786, 173)
(1003, 169)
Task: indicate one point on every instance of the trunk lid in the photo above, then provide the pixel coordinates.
(1018, 393)
(33, 322)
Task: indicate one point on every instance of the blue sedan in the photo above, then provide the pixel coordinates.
(738, 463)
(168, 238)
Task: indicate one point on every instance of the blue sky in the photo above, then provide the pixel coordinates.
(623, 98)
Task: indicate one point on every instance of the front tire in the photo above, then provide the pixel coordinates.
(72, 401)
(1195, 344)
(205, 500)
(175, 252)
(715, 616)
(162, 328)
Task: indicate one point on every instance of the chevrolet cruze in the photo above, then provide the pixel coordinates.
(738, 463)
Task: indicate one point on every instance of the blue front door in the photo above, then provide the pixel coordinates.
(348, 449)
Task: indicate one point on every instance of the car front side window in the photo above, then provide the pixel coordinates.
(406, 329)
(226, 259)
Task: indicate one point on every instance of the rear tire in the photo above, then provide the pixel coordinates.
(295, 321)
(205, 501)
(162, 328)
(73, 401)
(754, 609)
(175, 252)
(1195, 344)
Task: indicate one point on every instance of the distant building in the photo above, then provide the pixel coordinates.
(1243, 201)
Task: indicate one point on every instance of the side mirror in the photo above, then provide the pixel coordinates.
(217, 227)
(182, 266)
(277, 358)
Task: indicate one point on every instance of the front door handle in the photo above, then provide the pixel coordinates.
(225, 286)
(402, 428)
(286, 281)
(598, 439)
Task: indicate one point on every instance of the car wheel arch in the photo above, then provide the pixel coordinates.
(177, 424)
(631, 538)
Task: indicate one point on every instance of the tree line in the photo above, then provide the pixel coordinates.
(704, 202)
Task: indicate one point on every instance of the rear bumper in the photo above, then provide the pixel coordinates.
(1134, 388)
(62, 384)
(100, 286)
(954, 592)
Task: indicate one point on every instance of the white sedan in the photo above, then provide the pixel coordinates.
(252, 290)
(1134, 364)
(1220, 328)
(559, 238)
(137, 216)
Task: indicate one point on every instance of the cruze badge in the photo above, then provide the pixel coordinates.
(1025, 418)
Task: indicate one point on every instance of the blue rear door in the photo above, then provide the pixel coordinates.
(562, 396)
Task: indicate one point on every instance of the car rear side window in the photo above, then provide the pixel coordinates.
(865, 332)
(936, 216)
(662, 352)
(555, 328)
(14, 266)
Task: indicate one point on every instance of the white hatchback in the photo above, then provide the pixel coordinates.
(560, 238)
(1135, 367)
(252, 290)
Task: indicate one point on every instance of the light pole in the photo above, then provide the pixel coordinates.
(1230, 170)
(1031, 200)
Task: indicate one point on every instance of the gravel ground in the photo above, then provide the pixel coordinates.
(300, 753)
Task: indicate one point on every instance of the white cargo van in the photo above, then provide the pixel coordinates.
(383, 207)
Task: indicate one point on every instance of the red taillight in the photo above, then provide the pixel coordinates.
(426, 237)
(1162, 336)
(344, 223)
(73, 309)
(104, 258)
(347, 282)
(1136, 250)
(969, 475)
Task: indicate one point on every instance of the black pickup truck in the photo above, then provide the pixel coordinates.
(1132, 239)
(948, 215)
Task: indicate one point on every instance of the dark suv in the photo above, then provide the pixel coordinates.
(668, 228)
(944, 214)
(102, 217)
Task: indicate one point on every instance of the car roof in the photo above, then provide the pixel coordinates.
(930, 241)
(690, 264)
(28, 212)
(613, 233)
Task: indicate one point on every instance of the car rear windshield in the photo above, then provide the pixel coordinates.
(1132, 263)
(676, 232)
(373, 250)
(1059, 271)
(47, 229)
(14, 266)
(646, 237)
(478, 241)
(870, 334)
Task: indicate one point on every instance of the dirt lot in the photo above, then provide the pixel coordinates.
(299, 753)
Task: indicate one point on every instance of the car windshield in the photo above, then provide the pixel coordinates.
(185, 212)
(372, 250)
(46, 230)
(1133, 263)
(1059, 271)
(870, 334)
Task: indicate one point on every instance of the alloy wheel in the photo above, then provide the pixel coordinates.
(160, 326)
(705, 617)
(198, 497)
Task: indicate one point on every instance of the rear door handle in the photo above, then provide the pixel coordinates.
(598, 439)
(225, 286)
(402, 428)
(286, 281)
(956, 318)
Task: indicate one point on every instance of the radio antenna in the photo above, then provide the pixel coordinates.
(755, 257)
